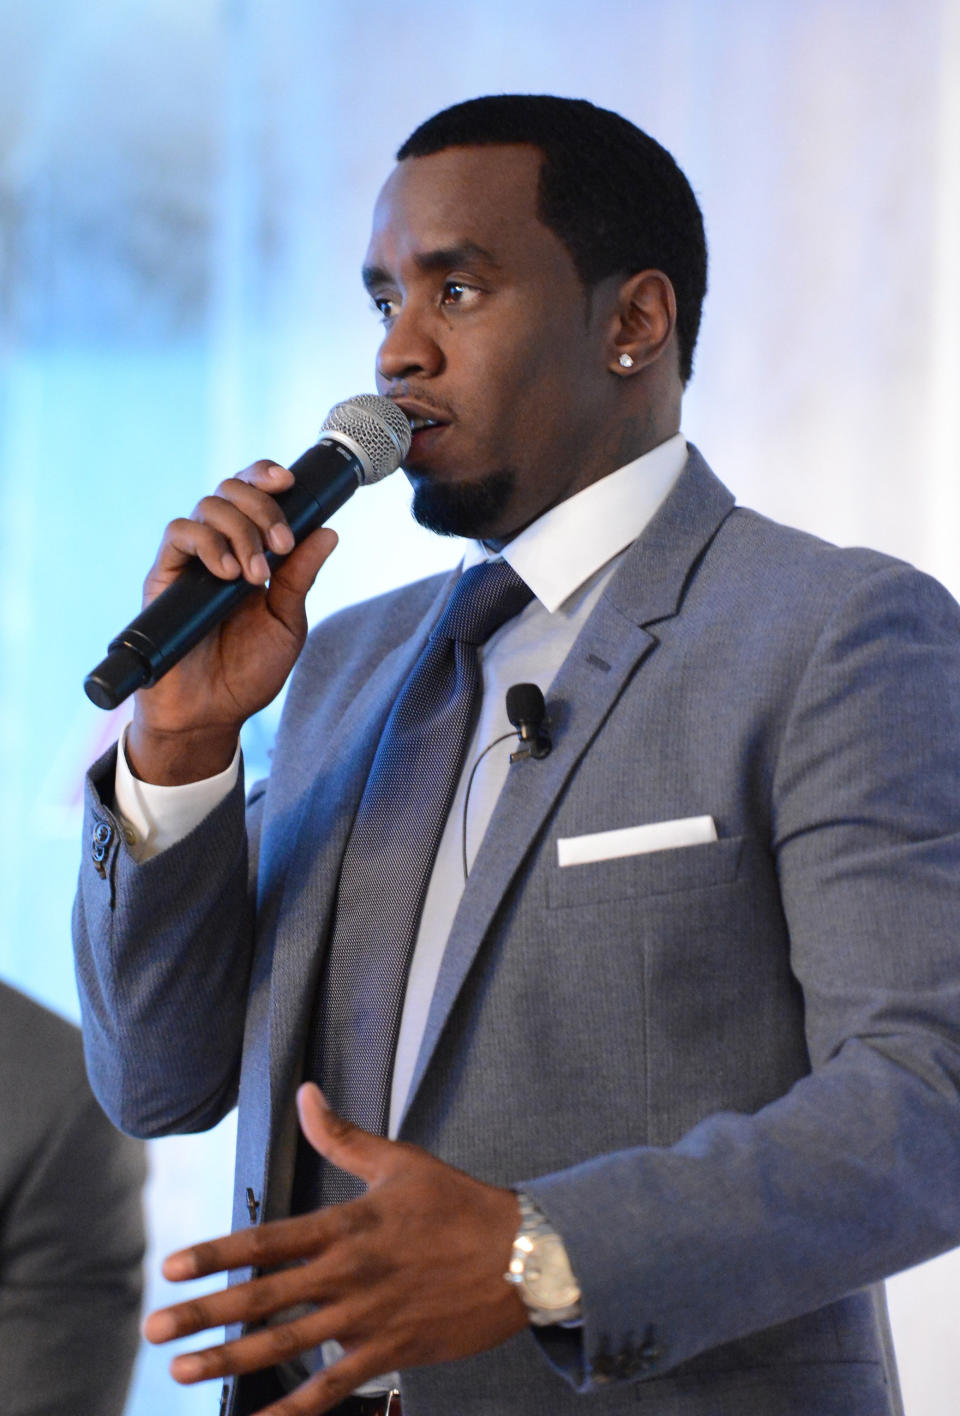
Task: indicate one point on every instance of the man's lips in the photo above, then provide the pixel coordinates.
(428, 425)
(422, 416)
(426, 449)
(426, 434)
(419, 424)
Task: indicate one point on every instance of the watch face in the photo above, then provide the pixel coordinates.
(547, 1278)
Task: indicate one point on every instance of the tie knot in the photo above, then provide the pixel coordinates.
(483, 599)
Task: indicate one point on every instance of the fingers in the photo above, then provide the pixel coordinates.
(293, 577)
(249, 1302)
(290, 1240)
(263, 1348)
(243, 513)
(265, 1246)
(285, 1295)
(232, 530)
(408, 1274)
(367, 1156)
(320, 1393)
(327, 1389)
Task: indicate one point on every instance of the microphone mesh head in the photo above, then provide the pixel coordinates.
(378, 427)
(525, 704)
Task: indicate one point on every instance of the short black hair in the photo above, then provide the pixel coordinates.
(614, 196)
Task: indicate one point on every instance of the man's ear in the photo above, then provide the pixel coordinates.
(646, 317)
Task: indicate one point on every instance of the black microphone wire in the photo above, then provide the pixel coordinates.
(466, 796)
(519, 721)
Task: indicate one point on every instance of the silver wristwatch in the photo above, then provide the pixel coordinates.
(540, 1269)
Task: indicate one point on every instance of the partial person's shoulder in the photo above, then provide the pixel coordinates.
(34, 1037)
(42, 1079)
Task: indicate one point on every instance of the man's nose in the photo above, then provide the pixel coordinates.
(408, 348)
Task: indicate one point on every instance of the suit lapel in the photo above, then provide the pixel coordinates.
(648, 586)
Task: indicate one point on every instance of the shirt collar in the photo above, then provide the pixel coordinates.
(565, 546)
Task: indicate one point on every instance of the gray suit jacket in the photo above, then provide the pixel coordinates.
(727, 1072)
(71, 1227)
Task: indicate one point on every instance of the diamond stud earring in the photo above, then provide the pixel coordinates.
(625, 361)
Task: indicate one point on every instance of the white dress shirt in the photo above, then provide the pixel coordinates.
(566, 557)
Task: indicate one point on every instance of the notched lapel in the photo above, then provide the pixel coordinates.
(650, 582)
(647, 587)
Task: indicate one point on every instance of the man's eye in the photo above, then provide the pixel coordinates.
(385, 307)
(456, 292)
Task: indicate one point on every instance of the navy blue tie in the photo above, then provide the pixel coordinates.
(387, 866)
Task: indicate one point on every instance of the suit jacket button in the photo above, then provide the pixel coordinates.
(102, 836)
(603, 1365)
(651, 1351)
(630, 1362)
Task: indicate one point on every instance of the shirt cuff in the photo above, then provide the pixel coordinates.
(153, 817)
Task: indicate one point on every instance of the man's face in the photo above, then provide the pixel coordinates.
(491, 338)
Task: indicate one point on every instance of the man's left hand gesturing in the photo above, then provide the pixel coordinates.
(408, 1274)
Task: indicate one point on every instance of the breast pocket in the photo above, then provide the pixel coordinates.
(666, 872)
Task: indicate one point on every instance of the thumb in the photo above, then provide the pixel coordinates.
(293, 577)
(346, 1145)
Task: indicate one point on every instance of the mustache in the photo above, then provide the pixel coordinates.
(426, 400)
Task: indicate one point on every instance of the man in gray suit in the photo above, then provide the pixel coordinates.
(71, 1227)
(694, 990)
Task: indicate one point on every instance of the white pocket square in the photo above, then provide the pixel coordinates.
(636, 840)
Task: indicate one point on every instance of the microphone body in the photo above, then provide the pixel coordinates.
(366, 438)
(527, 712)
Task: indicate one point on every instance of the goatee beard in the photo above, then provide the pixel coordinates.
(472, 509)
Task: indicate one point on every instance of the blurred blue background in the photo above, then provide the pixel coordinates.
(185, 190)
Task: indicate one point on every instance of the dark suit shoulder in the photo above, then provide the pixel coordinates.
(38, 1045)
(43, 1083)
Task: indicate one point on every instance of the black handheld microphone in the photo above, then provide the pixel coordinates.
(528, 714)
(362, 440)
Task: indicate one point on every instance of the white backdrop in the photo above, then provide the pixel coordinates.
(185, 187)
